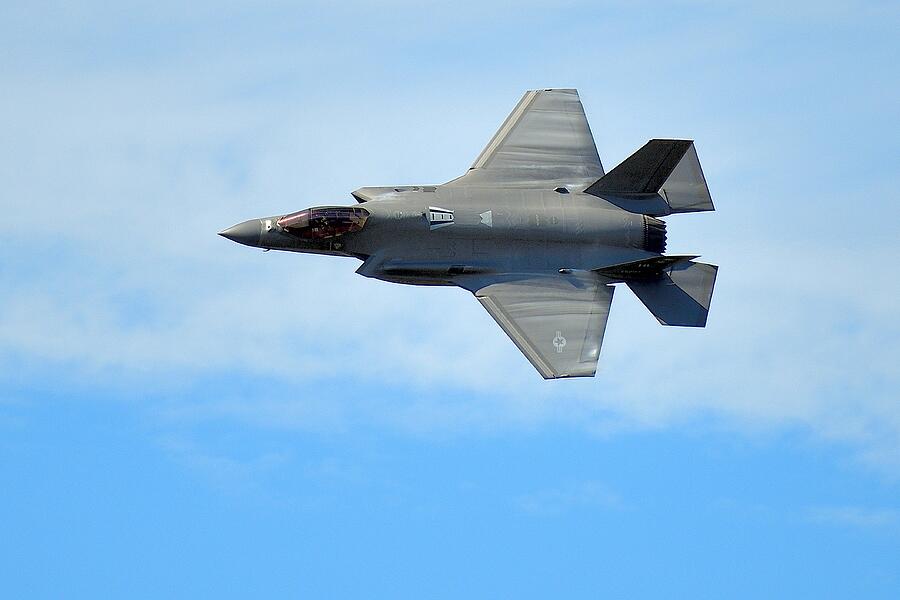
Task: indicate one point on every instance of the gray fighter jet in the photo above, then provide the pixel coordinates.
(535, 229)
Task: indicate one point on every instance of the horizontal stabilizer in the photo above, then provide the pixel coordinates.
(680, 295)
(663, 177)
(646, 268)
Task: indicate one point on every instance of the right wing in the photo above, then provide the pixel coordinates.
(557, 321)
(546, 138)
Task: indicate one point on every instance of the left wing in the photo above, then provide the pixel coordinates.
(557, 321)
(546, 138)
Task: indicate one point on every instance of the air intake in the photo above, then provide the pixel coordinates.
(654, 235)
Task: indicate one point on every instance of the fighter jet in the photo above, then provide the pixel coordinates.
(535, 229)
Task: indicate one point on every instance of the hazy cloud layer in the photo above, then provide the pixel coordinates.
(117, 178)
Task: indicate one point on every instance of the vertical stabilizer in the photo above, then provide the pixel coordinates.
(663, 177)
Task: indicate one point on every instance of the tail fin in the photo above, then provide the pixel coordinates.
(675, 289)
(662, 178)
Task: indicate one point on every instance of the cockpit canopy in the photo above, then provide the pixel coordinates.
(324, 222)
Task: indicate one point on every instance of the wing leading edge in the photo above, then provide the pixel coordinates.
(546, 138)
(557, 321)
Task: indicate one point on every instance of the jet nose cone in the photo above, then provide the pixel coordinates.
(246, 233)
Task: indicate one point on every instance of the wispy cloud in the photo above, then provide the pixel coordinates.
(883, 519)
(227, 472)
(588, 495)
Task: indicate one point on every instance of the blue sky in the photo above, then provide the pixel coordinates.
(172, 421)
